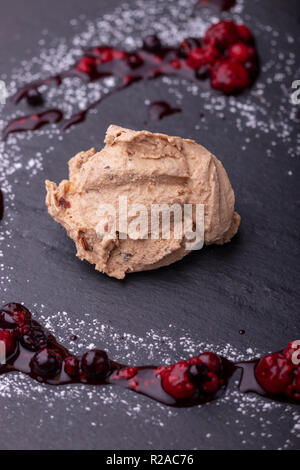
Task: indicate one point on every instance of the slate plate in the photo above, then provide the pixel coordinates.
(251, 284)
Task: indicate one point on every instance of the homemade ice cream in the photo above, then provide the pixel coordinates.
(148, 169)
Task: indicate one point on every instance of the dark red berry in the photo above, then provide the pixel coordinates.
(229, 77)
(241, 52)
(72, 366)
(46, 364)
(274, 373)
(252, 67)
(152, 43)
(244, 33)
(104, 54)
(9, 341)
(187, 45)
(35, 339)
(198, 373)
(95, 364)
(222, 34)
(86, 65)
(202, 73)
(14, 315)
(134, 60)
(293, 390)
(175, 380)
(202, 56)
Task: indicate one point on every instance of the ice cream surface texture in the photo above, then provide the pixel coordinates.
(147, 169)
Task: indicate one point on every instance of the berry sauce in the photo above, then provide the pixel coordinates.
(160, 109)
(1, 205)
(226, 55)
(221, 5)
(33, 350)
(33, 122)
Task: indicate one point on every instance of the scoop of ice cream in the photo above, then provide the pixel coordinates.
(147, 169)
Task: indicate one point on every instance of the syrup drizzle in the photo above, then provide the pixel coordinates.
(1, 205)
(160, 109)
(152, 61)
(32, 350)
(32, 122)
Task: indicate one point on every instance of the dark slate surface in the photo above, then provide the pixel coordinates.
(251, 284)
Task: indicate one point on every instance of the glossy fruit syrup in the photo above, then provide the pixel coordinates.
(226, 55)
(33, 350)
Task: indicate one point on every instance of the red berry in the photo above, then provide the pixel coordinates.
(9, 341)
(222, 34)
(34, 339)
(175, 381)
(202, 56)
(240, 52)
(274, 373)
(212, 384)
(72, 366)
(119, 55)
(229, 77)
(134, 60)
(244, 33)
(292, 352)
